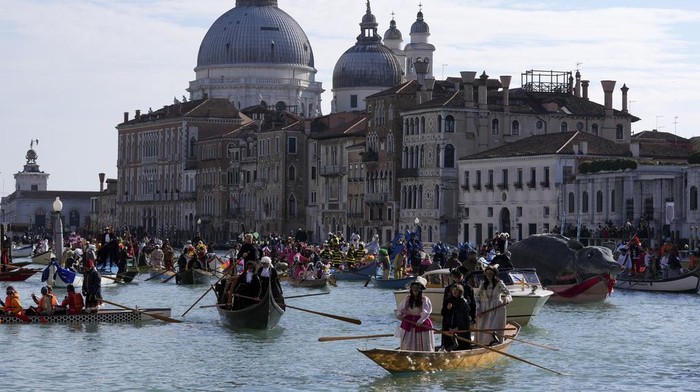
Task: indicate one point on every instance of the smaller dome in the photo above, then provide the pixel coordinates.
(419, 26)
(369, 18)
(393, 33)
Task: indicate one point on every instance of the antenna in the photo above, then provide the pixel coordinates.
(675, 125)
(578, 65)
(443, 72)
(657, 123)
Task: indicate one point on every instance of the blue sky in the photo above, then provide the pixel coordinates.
(72, 67)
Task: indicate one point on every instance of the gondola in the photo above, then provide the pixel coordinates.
(17, 275)
(403, 361)
(193, 276)
(111, 316)
(683, 283)
(265, 314)
(361, 273)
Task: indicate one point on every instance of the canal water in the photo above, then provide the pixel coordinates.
(632, 341)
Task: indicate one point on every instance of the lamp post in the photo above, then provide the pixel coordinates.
(58, 229)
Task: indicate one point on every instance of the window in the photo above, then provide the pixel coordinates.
(579, 126)
(313, 172)
(478, 179)
(489, 212)
(292, 206)
(291, 173)
(612, 201)
(518, 211)
(439, 124)
(353, 101)
(545, 212)
(495, 127)
(594, 129)
(619, 132)
(515, 128)
(571, 203)
(599, 201)
(564, 126)
(466, 179)
(584, 202)
(693, 198)
(449, 153)
(292, 145)
(449, 124)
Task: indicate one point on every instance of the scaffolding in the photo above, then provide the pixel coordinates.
(539, 81)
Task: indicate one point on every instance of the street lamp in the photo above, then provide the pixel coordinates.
(58, 229)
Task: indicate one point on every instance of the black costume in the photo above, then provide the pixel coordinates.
(244, 292)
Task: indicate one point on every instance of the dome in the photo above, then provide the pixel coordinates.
(419, 26)
(372, 65)
(255, 32)
(393, 33)
(31, 156)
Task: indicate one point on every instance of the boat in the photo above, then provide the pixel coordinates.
(43, 258)
(394, 284)
(17, 275)
(193, 276)
(19, 251)
(523, 284)
(594, 289)
(361, 273)
(404, 361)
(683, 283)
(111, 316)
(123, 277)
(311, 283)
(159, 274)
(59, 277)
(266, 314)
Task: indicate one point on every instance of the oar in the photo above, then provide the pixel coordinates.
(155, 276)
(334, 338)
(155, 316)
(531, 343)
(341, 318)
(205, 293)
(305, 295)
(369, 278)
(170, 277)
(492, 309)
(486, 347)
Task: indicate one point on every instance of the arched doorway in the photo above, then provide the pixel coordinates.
(504, 220)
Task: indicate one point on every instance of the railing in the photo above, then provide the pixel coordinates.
(333, 170)
(408, 172)
(518, 185)
(376, 197)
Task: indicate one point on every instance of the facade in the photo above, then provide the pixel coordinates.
(256, 54)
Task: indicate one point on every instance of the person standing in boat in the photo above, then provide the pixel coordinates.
(492, 296)
(447, 310)
(168, 256)
(416, 329)
(385, 263)
(459, 315)
(92, 288)
(247, 289)
(268, 275)
(248, 250)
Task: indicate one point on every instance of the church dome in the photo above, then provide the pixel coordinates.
(255, 32)
(419, 26)
(393, 32)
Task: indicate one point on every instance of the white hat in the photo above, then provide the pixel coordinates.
(265, 260)
(421, 281)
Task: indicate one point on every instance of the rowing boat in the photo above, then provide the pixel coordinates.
(17, 275)
(265, 314)
(111, 316)
(403, 361)
(683, 283)
(593, 289)
(311, 283)
(361, 273)
(394, 284)
(19, 251)
(193, 276)
(43, 258)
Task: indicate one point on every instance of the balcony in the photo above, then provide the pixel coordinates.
(488, 187)
(465, 187)
(502, 186)
(518, 185)
(408, 172)
(476, 187)
(370, 156)
(333, 170)
(376, 197)
(531, 184)
(544, 184)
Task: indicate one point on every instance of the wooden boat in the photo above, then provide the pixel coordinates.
(593, 289)
(361, 273)
(266, 314)
(43, 258)
(17, 275)
(193, 276)
(311, 283)
(394, 284)
(19, 251)
(523, 284)
(684, 283)
(403, 361)
(124, 277)
(159, 274)
(111, 316)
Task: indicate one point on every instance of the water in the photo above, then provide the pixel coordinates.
(631, 342)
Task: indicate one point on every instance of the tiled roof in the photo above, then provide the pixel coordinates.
(356, 127)
(209, 108)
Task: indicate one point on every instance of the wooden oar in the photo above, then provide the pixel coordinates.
(156, 275)
(531, 343)
(305, 295)
(170, 277)
(492, 309)
(334, 338)
(155, 316)
(205, 293)
(486, 347)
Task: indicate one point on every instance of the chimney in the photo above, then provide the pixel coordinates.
(483, 89)
(634, 149)
(577, 151)
(138, 114)
(428, 87)
(126, 116)
(624, 90)
(505, 83)
(608, 88)
(102, 181)
(584, 148)
(468, 80)
(584, 85)
(577, 87)
(307, 126)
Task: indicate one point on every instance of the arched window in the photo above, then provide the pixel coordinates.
(291, 173)
(515, 128)
(495, 127)
(564, 126)
(449, 124)
(439, 124)
(612, 201)
(422, 125)
(436, 202)
(599, 201)
(619, 132)
(291, 205)
(405, 127)
(572, 203)
(449, 156)
(693, 198)
(594, 129)
(584, 202)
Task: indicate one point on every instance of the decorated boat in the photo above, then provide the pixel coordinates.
(43, 258)
(193, 276)
(403, 361)
(683, 283)
(593, 289)
(311, 283)
(361, 273)
(523, 284)
(19, 251)
(17, 275)
(265, 314)
(394, 284)
(102, 316)
(57, 276)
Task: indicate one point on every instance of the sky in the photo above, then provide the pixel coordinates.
(71, 68)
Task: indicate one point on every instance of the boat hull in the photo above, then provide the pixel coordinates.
(402, 361)
(310, 283)
(394, 284)
(22, 251)
(686, 283)
(193, 277)
(266, 314)
(17, 275)
(112, 316)
(595, 289)
(43, 258)
(359, 274)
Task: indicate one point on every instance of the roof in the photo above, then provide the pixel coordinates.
(203, 108)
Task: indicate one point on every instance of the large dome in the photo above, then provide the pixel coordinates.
(255, 32)
(367, 65)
